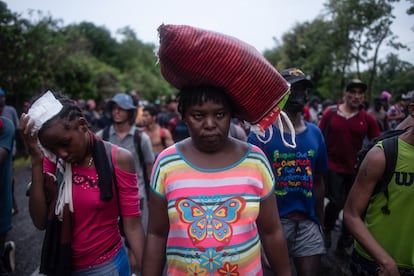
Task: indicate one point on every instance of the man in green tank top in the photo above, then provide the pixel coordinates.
(384, 241)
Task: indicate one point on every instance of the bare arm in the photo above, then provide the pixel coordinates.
(168, 138)
(134, 233)
(37, 200)
(409, 121)
(272, 236)
(148, 167)
(38, 206)
(133, 228)
(369, 173)
(158, 228)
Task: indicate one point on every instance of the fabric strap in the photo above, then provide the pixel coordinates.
(102, 167)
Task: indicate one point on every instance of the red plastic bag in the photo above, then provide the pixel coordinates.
(191, 56)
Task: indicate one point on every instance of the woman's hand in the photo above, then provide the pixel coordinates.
(30, 135)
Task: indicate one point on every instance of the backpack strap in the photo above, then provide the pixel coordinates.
(137, 142)
(162, 136)
(105, 133)
(108, 151)
(109, 147)
(390, 146)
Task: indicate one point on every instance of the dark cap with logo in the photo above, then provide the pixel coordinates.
(295, 75)
(356, 83)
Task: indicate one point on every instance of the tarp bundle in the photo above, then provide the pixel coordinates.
(191, 56)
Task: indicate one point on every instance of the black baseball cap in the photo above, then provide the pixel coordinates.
(356, 83)
(294, 75)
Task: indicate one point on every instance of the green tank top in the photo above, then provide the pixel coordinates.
(395, 232)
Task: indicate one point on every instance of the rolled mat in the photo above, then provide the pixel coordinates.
(190, 56)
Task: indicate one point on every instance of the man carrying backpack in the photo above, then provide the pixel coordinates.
(124, 133)
(384, 236)
(345, 126)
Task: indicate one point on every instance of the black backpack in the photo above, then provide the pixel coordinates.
(390, 145)
(137, 143)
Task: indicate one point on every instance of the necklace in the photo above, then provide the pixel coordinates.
(90, 162)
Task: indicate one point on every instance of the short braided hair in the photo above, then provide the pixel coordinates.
(200, 94)
(70, 111)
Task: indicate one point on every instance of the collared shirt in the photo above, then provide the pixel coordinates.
(128, 143)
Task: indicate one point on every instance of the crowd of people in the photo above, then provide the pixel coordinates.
(165, 160)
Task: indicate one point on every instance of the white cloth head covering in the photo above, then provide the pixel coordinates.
(43, 109)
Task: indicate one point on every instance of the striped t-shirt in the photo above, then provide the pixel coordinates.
(212, 213)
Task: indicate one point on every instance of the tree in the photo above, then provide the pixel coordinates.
(362, 26)
(394, 75)
(411, 9)
(94, 39)
(29, 54)
(308, 46)
(80, 60)
(138, 64)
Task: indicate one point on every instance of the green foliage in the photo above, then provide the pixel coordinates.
(85, 61)
(333, 48)
(363, 27)
(21, 162)
(28, 53)
(93, 39)
(411, 8)
(395, 76)
(81, 60)
(86, 77)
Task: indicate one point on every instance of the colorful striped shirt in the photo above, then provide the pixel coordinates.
(212, 213)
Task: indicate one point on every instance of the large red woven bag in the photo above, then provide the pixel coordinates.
(191, 56)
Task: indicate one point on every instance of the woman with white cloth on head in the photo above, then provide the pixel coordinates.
(72, 187)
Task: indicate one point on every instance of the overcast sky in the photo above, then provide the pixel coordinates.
(256, 22)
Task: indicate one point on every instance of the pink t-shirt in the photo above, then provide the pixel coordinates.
(96, 238)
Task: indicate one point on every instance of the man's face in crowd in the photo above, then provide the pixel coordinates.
(354, 97)
(297, 98)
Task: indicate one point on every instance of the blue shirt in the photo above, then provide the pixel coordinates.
(6, 142)
(295, 168)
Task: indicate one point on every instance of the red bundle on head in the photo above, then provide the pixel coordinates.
(190, 56)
